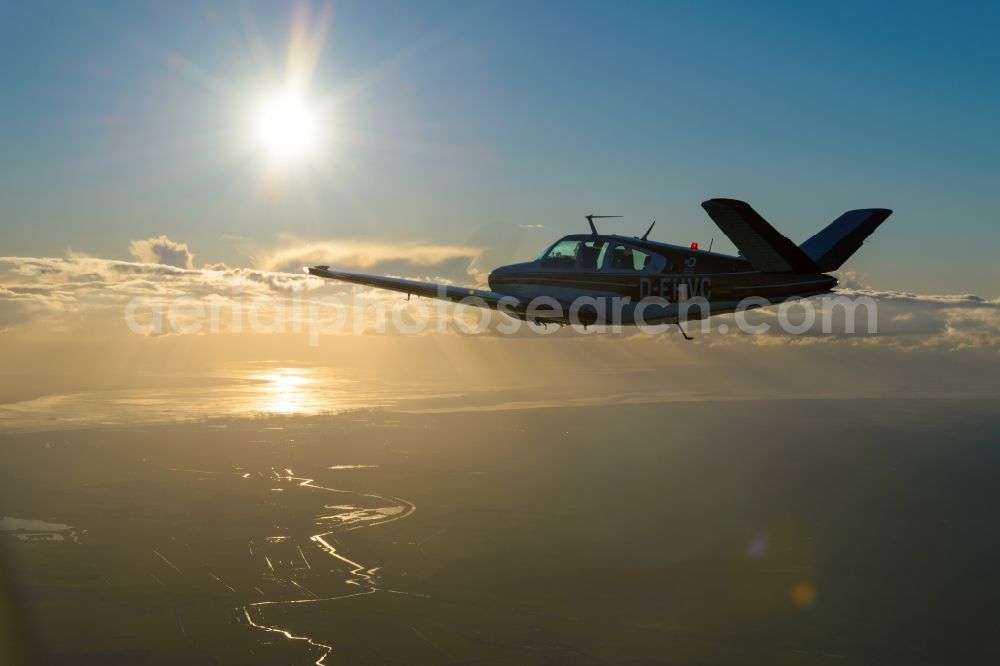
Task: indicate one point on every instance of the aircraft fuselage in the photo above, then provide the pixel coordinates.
(635, 269)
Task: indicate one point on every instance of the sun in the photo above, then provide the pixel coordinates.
(285, 127)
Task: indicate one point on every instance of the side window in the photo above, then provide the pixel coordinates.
(562, 255)
(592, 254)
(624, 258)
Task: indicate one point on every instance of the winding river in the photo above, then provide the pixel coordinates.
(345, 518)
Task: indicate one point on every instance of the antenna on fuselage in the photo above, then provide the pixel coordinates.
(591, 218)
(648, 230)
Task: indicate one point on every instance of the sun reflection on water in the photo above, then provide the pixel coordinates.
(233, 391)
(286, 391)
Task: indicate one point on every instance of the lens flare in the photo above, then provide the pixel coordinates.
(803, 594)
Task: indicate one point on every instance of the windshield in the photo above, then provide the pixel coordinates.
(562, 254)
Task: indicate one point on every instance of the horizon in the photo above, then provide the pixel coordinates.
(392, 456)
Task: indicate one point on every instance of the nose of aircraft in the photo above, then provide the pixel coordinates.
(497, 275)
(506, 273)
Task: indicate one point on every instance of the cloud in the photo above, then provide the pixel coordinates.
(67, 293)
(293, 253)
(901, 320)
(61, 293)
(162, 250)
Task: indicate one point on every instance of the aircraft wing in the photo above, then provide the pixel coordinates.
(448, 292)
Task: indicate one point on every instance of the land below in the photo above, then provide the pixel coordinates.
(710, 532)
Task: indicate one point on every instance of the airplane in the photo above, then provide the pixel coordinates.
(607, 278)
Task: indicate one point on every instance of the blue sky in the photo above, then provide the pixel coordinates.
(455, 122)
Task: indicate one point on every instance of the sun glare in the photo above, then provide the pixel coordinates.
(285, 127)
(285, 391)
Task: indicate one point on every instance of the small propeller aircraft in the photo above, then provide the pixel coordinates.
(606, 278)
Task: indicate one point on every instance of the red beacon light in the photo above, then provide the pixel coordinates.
(694, 246)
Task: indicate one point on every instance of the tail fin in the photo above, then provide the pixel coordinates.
(760, 243)
(833, 246)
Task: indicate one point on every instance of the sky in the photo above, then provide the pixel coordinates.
(154, 219)
(452, 137)
(453, 123)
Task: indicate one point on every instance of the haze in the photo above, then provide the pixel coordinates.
(201, 465)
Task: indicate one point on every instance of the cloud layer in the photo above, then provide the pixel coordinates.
(67, 293)
(292, 254)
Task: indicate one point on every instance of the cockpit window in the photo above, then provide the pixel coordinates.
(598, 255)
(592, 254)
(625, 258)
(562, 255)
